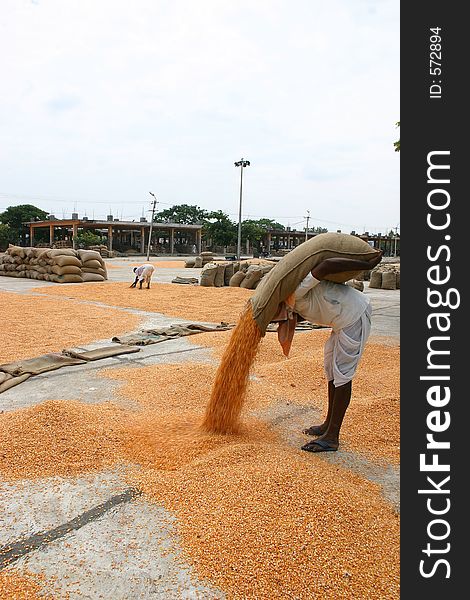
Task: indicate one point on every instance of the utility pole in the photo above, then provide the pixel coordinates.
(395, 240)
(306, 227)
(154, 204)
(240, 163)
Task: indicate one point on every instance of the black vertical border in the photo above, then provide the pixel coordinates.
(433, 124)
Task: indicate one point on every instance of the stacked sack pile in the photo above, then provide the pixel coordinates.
(61, 265)
(385, 276)
(199, 261)
(234, 274)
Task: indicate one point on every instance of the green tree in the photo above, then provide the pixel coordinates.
(88, 238)
(7, 236)
(15, 216)
(397, 143)
(219, 229)
(185, 214)
(267, 224)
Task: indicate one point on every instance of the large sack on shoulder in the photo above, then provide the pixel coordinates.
(208, 274)
(92, 277)
(67, 278)
(237, 278)
(61, 252)
(219, 279)
(92, 264)
(389, 280)
(64, 261)
(67, 270)
(283, 279)
(375, 280)
(252, 277)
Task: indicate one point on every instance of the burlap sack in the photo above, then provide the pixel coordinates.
(67, 270)
(16, 251)
(236, 267)
(198, 262)
(286, 275)
(219, 279)
(375, 280)
(87, 255)
(356, 284)
(63, 261)
(41, 252)
(208, 275)
(252, 277)
(189, 263)
(398, 280)
(101, 272)
(92, 264)
(60, 252)
(67, 278)
(228, 273)
(92, 277)
(389, 280)
(237, 278)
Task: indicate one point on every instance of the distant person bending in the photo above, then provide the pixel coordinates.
(143, 273)
(348, 312)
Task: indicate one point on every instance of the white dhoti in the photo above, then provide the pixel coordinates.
(344, 348)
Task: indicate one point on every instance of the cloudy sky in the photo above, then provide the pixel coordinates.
(103, 101)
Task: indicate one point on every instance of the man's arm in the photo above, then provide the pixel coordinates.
(330, 266)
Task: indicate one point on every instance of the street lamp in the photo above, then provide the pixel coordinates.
(240, 163)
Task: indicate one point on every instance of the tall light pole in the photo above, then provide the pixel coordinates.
(240, 163)
(154, 204)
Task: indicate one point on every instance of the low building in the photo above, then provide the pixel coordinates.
(167, 238)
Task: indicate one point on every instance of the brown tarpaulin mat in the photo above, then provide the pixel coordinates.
(154, 336)
(9, 381)
(40, 364)
(186, 280)
(12, 374)
(100, 353)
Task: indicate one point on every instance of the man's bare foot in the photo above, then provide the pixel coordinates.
(315, 430)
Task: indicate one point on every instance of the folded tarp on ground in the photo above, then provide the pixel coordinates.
(40, 364)
(154, 336)
(100, 353)
(12, 374)
(187, 280)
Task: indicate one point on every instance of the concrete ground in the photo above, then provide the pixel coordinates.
(93, 536)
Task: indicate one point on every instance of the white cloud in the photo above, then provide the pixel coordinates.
(103, 101)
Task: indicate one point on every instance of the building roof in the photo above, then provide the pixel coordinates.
(98, 224)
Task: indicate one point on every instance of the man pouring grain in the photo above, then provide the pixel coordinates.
(348, 312)
(143, 274)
